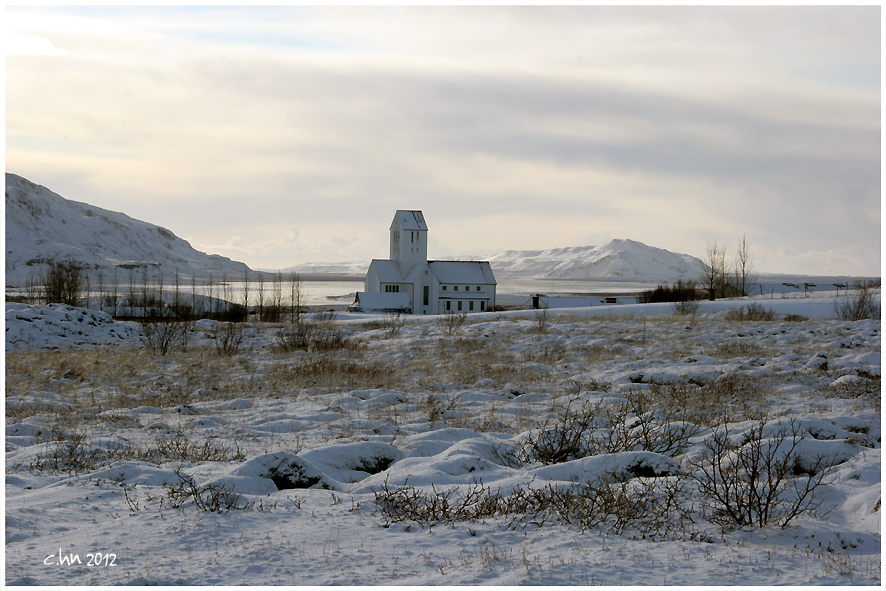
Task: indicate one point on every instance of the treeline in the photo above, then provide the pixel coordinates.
(681, 291)
(143, 294)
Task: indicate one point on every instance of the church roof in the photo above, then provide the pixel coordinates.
(375, 301)
(462, 272)
(388, 270)
(410, 219)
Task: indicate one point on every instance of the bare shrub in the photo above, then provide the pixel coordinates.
(646, 421)
(73, 453)
(795, 318)
(293, 338)
(566, 438)
(862, 303)
(540, 321)
(685, 307)
(161, 334)
(180, 448)
(650, 506)
(452, 323)
(325, 316)
(393, 322)
(311, 336)
(750, 313)
(229, 338)
(761, 481)
(211, 497)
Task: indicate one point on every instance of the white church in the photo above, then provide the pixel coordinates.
(408, 282)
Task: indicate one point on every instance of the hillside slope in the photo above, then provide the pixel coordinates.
(617, 258)
(42, 225)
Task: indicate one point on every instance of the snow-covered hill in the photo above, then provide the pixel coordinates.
(617, 258)
(42, 225)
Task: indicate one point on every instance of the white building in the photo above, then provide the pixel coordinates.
(430, 287)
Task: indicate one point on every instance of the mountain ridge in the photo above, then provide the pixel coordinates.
(618, 258)
(43, 226)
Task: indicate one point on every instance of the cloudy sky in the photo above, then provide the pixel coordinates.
(289, 134)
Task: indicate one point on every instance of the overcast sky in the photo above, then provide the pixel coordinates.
(281, 135)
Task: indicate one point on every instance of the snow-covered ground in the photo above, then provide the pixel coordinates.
(354, 466)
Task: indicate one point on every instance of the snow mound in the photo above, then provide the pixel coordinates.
(271, 472)
(617, 467)
(60, 326)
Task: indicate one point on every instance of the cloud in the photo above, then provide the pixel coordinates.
(512, 127)
(17, 44)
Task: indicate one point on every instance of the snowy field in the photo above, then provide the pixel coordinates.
(621, 445)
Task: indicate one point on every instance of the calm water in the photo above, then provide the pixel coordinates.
(319, 293)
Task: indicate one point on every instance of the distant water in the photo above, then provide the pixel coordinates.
(337, 293)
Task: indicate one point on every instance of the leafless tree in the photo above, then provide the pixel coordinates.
(100, 279)
(246, 292)
(296, 297)
(33, 288)
(131, 296)
(212, 306)
(63, 283)
(112, 298)
(743, 268)
(86, 288)
(713, 276)
(261, 295)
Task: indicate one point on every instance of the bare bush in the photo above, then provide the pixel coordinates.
(393, 322)
(311, 336)
(73, 453)
(685, 308)
(540, 321)
(452, 323)
(761, 481)
(751, 313)
(862, 303)
(229, 338)
(650, 506)
(644, 422)
(294, 338)
(161, 334)
(795, 318)
(180, 448)
(211, 497)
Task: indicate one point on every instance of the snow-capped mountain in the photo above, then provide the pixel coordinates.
(617, 258)
(42, 225)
